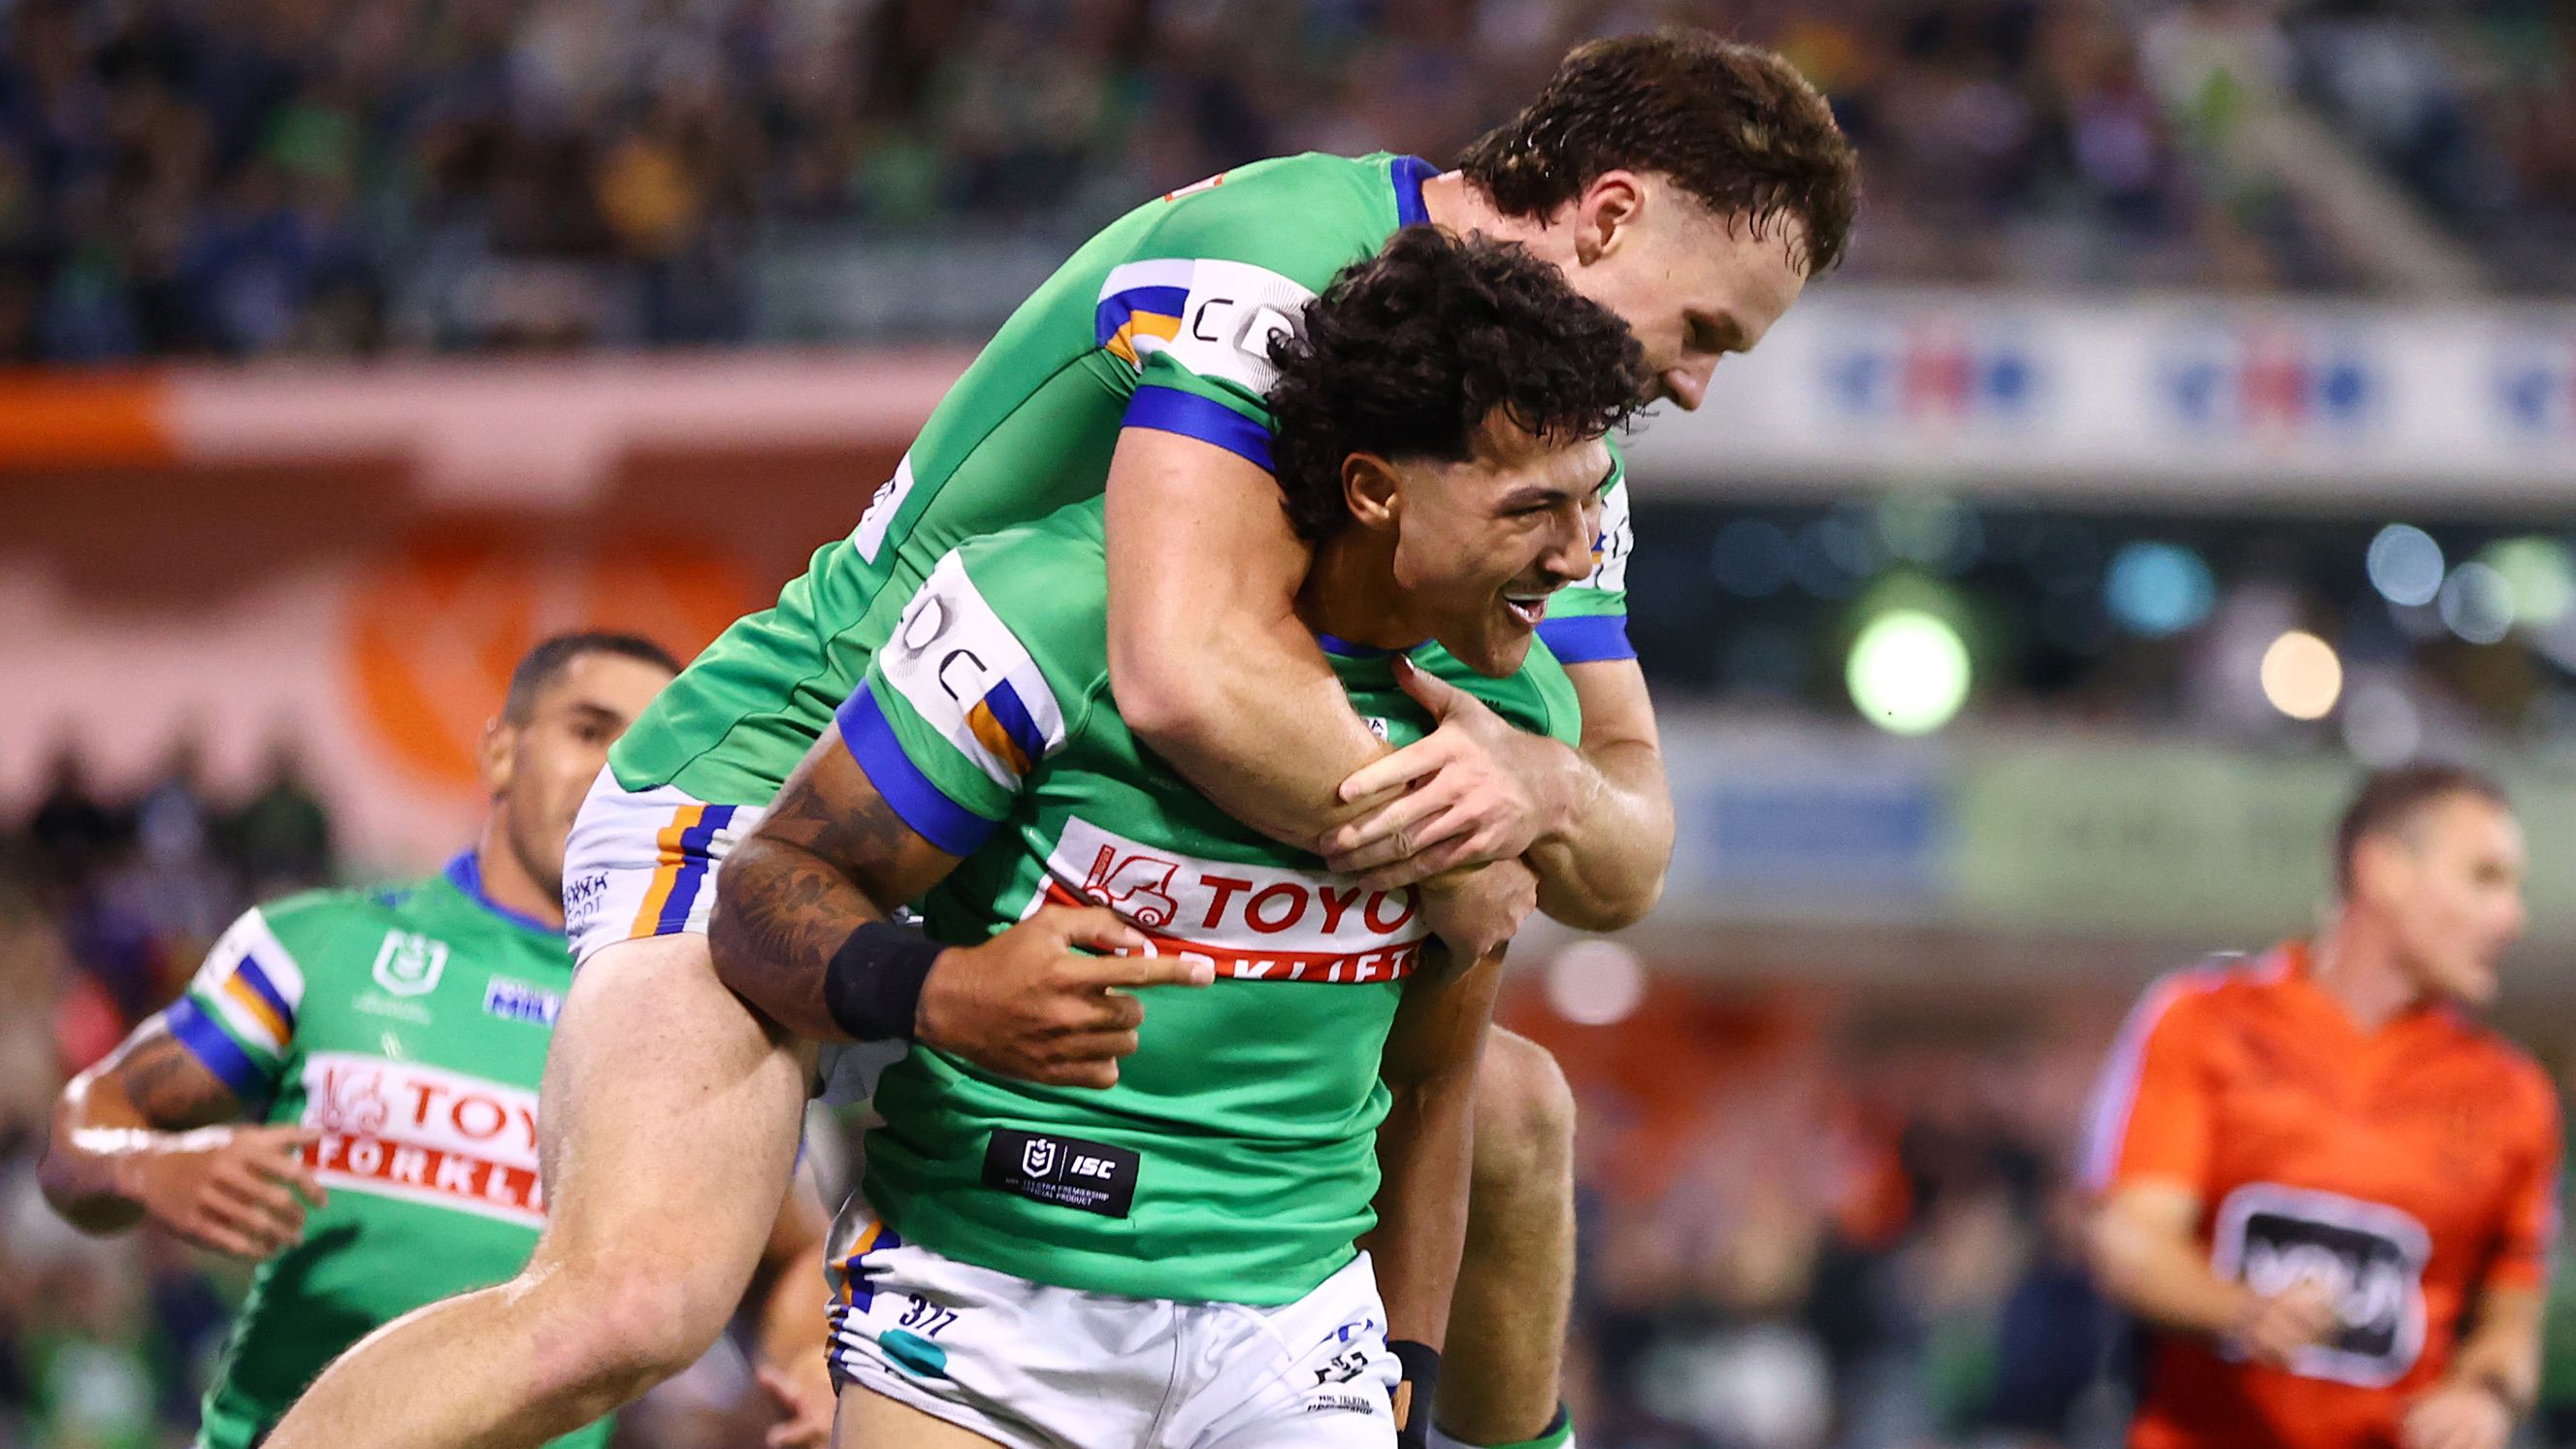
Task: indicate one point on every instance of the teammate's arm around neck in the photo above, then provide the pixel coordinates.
(1213, 670)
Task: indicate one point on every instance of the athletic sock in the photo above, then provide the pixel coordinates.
(1559, 1434)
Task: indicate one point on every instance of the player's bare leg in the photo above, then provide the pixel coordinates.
(870, 1420)
(669, 1122)
(1500, 1370)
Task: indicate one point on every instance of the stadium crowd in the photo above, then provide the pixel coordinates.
(252, 177)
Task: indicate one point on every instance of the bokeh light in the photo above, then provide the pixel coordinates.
(2477, 603)
(2156, 589)
(2381, 725)
(2405, 564)
(1909, 671)
(2537, 577)
(2301, 675)
(1595, 983)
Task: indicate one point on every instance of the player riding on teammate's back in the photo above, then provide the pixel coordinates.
(1172, 1258)
(1688, 185)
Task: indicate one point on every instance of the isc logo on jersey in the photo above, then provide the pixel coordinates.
(2369, 1257)
(1256, 923)
(415, 1132)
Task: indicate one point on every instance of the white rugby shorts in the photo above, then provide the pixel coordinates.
(1034, 1366)
(643, 863)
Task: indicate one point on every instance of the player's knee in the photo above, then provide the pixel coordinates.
(603, 1334)
(1524, 1120)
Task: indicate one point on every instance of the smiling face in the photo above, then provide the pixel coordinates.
(1478, 546)
(1692, 285)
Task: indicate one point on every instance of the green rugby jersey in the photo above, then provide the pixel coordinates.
(1235, 1159)
(1161, 321)
(410, 1026)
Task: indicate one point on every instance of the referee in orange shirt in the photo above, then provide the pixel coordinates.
(2330, 1194)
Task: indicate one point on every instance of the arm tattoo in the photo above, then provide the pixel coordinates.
(172, 1089)
(796, 889)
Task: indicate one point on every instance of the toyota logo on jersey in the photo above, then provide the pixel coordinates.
(1258, 923)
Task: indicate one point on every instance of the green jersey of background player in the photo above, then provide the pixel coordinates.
(1441, 409)
(391, 1040)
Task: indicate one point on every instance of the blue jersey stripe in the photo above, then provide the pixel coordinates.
(255, 976)
(1170, 410)
(1589, 639)
(870, 739)
(1116, 308)
(215, 1049)
(1013, 716)
(1408, 173)
(694, 866)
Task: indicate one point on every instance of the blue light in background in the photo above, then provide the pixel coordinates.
(2156, 589)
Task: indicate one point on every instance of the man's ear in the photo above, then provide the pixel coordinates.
(1371, 490)
(496, 755)
(1607, 215)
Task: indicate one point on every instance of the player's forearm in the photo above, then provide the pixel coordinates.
(1604, 869)
(86, 1173)
(2165, 1279)
(2503, 1355)
(781, 912)
(1425, 1145)
(1258, 724)
(1423, 1160)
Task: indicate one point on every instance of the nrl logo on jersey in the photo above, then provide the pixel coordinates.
(409, 964)
(519, 1001)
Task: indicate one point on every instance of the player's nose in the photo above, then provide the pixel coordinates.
(1687, 385)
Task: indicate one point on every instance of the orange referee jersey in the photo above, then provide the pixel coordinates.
(2406, 1168)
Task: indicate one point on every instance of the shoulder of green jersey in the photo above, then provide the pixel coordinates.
(1214, 317)
(1612, 545)
(969, 677)
(252, 984)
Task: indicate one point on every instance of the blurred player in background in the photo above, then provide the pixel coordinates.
(2329, 1193)
(390, 1041)
(1688, 185)
(1170, 1258)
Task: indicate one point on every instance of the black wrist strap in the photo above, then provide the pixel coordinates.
(1421, 1364)
(873, 985)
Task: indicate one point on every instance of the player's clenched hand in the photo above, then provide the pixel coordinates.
(235, 1190)
(1473, 790)
(2273, 1330)
(1477, 910)
(1034, 1003)
(2456, 1416)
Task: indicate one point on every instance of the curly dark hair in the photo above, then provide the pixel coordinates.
(1734, 125)
(1408, 353)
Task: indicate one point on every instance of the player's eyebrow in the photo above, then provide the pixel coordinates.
(587, 712)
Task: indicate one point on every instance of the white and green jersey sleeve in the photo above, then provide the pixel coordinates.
(1234, 1161)
(238, 1015)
